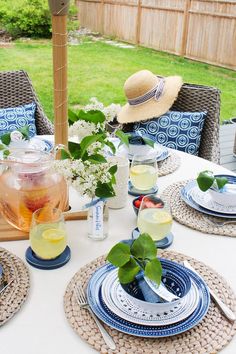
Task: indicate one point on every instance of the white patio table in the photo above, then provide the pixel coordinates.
(40, 327)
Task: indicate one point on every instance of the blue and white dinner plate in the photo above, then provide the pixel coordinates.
(165, 153)
(205, 200)
(186, 195)
(116, 300)
(98, 306)
(48, 145)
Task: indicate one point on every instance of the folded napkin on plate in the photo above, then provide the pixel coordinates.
(148, 294)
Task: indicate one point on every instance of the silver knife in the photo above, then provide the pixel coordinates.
(224, 308)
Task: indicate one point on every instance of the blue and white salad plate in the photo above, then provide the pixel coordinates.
(189, 197)
(99, 307)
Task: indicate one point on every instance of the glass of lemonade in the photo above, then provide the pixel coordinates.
(144, 171)
(154, 217)
(48, 236)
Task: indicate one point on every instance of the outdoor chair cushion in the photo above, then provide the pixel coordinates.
(176, 130)
(17, 117)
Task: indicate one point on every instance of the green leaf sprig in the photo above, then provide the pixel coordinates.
(206, 180)
(141, 255)
(6, 138)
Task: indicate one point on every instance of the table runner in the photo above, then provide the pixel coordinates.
(13, 297)
(212, 334)
(191, 217)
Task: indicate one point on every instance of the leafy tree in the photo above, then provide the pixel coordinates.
(30, 18)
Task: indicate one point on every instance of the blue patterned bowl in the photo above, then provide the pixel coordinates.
(176, 280)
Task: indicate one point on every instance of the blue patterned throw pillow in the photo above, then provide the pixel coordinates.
(17, 117)
(176, 130)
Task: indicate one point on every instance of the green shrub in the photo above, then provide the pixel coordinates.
(29, 18)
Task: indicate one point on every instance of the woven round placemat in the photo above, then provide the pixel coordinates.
(191, 217)
(13, 297)
(169, 165)
(212, 334)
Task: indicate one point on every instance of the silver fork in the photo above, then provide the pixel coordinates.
(4, 286)
(83, 303)
(220, 223)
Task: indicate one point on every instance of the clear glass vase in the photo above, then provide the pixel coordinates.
(98, 217)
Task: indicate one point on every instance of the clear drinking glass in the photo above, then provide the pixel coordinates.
(48, 236)
(154, 217)
(144, 171)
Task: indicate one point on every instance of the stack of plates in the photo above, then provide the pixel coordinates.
(41, 144)
(161, 152)
(202, 201)
(110, 303)
(35, 143)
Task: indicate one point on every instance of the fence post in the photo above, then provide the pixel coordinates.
(102, 17)
(185, 27)
(138, 22)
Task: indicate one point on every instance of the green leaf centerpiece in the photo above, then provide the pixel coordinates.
(141, 255)
(207, 180)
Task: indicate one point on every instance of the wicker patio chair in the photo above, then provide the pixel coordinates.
(198, 98)
(16, 89)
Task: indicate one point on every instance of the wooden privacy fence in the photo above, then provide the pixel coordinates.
(203, 30)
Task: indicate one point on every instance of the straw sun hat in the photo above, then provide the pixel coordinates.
(148, 96)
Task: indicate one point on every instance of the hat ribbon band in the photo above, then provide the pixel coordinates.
(156, 93)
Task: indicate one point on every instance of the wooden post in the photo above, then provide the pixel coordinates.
(59, 10)
(102, 17)
(59, 40)
(138, 23)
(185, 28)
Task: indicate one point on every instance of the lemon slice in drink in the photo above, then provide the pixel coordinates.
(162, 217)
(53, 235)
(138, 170)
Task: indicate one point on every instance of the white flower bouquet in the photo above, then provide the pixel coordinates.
(84, 165)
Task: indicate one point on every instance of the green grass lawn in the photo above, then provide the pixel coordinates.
(98, 69)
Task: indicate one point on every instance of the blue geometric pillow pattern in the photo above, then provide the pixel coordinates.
(176, 130)
(17, 117)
